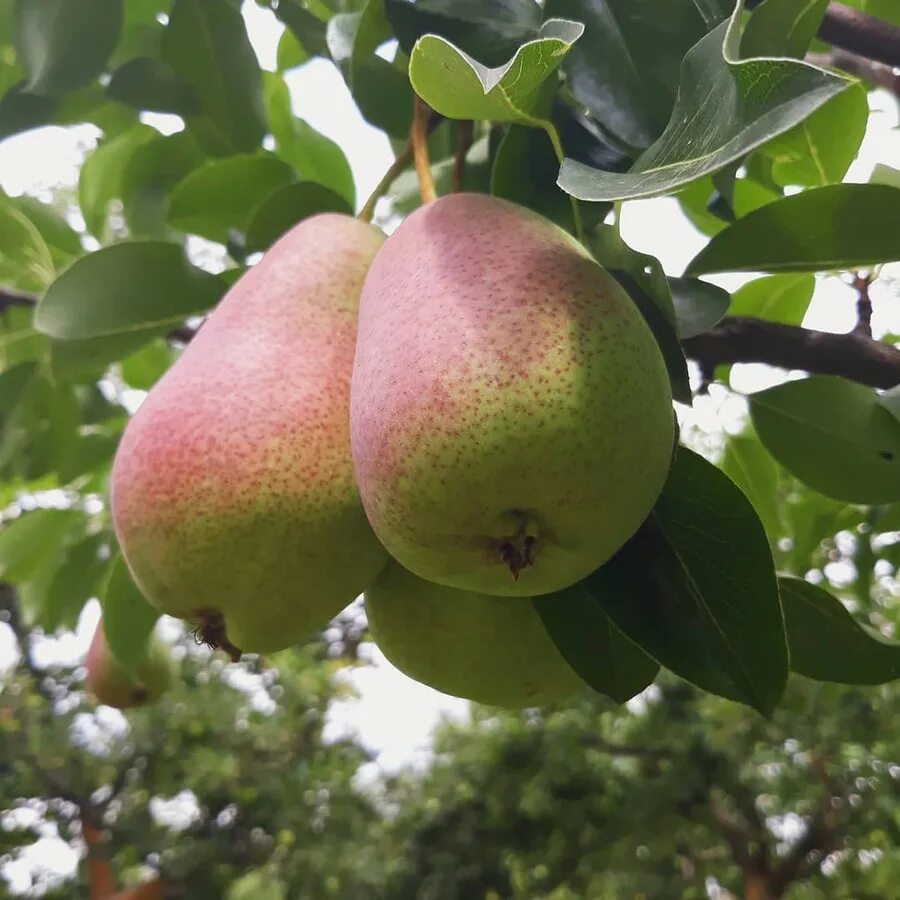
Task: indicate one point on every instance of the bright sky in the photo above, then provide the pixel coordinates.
(395, 715)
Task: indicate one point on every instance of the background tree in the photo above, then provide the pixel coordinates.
(572, 108)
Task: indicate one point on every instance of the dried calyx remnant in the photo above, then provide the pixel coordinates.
(517, 551)
(210, 630)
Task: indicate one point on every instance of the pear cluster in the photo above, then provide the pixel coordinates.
(450, 421)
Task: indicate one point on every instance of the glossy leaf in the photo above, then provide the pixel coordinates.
(457, 86)
(221, 196)
(64, 44)
(207, 47)
(128, 619)
(726, 107)
(776, 298)
(680, 591)
(286, 206)
(125, 288)
(151, 84)
(624, 69)
(698, 305)
(833, 435)
(593, 646)
(826, 641)
(782, 28)
(841, 226)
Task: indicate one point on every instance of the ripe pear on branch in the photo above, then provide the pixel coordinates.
(232, 491)
(511, 415)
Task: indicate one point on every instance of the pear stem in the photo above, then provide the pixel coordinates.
(553, 134)
(418, 136)
(396, 167)
(463, 143)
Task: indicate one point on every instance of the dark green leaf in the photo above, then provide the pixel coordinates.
(521, 90)
(828, 644)
(782, 28)
(100, 179)
(20, 111)
(313, 156)
(747, 463)
(221, 196)
(625, 68)
(698, 305)
(207, 46)
(643, 277)
(150, 83)
(307, 29)
(488, 30)
(128, 287)
(698, 199)
(833, 435)
(725, 108)
(841, 226)
(776, 298)
(592, 645)
(75, 582)
(286, 206)
(681, 592)
(30, 542)
(64, 44)
(128, 619)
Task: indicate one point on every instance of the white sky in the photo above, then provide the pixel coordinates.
(394, 714)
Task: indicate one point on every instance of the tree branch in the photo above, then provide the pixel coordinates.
(11, 297)
(875, 73)
(745, 340)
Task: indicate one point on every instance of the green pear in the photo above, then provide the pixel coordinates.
(493, 650)
(232, 490)
(511, 415)
(112, 685)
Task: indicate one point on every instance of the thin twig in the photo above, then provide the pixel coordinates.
(463, 142)
(863, 305)
(396, 167)
(876, 74)
(419, 139)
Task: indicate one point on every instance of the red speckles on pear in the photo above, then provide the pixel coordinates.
(495, 361)
(234, 477)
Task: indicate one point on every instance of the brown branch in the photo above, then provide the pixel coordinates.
(463, 142)
(863, 305)
(745, 340)
(876, 74)
(738, 838)
(11, 297)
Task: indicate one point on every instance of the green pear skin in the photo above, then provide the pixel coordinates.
(493, 650)
(232, 490)
(112, 685)
(511, 415)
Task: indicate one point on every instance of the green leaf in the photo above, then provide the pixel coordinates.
(842, 226)
(64, 44)
(206, 45)
(20, 111)
(76, 581)
(747, 463)
(128, 619)
(289, 54)
(488, 30)
(698, 305)
(149, 176)
(32, 541)
(643, 277)
(313, 156)
(151, 84)
(776, 298)
(820, 149)
(142, 369)
(592, 645)
(100, 179)
(221, 196)
(782, 28)
(681, 592)
(283, 208)
(698, 202)
(381, 89)
(126, 288)
(625, 68)
(59, 236)
(726, 107)
(833, 435)
(25, 259)
(457, 86)
(307, 30)
(828, 644)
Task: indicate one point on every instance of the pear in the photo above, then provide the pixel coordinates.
(112, 685)
(232, 490)
(511, 416)
(492, 650)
